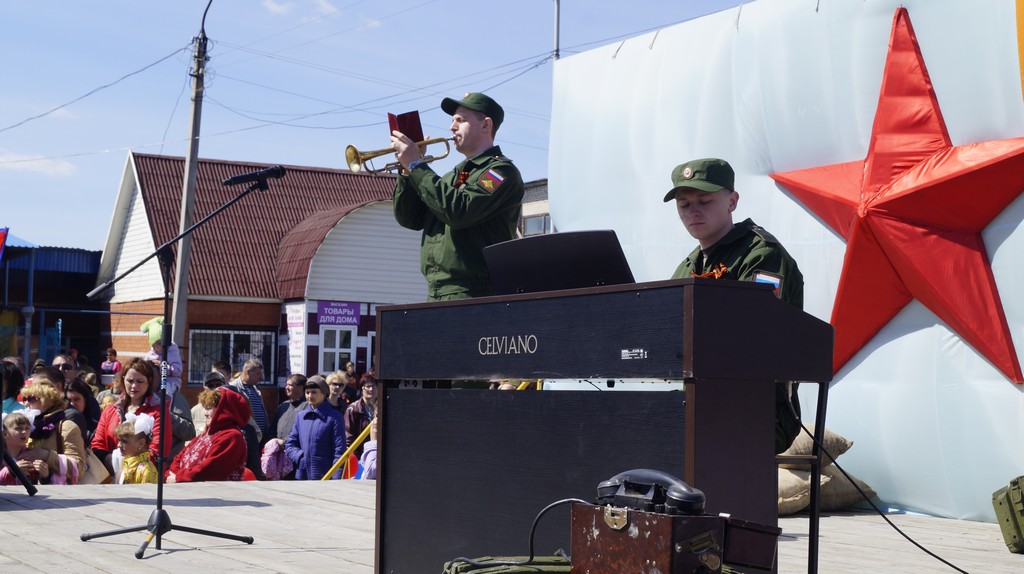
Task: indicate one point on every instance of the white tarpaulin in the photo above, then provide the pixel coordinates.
(781, 85)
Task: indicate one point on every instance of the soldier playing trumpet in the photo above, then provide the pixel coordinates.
(475, 205)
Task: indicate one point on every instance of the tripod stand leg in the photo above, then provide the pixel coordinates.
(12, 465)
(91, 535)
(246, 539)
(159, 523)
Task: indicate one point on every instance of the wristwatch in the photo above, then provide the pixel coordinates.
(415, 163)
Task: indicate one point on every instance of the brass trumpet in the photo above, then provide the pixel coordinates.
(356, 159)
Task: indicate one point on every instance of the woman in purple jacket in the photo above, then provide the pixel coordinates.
(318, 438)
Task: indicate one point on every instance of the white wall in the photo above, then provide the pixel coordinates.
(778, 85)
(368, 257)
(134, 245)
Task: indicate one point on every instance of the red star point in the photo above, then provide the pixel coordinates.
(912, 213)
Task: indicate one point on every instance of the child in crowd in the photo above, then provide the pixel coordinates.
(133, 438)
(107, 400)
(111, 366)
(17, 428)
(368, 462)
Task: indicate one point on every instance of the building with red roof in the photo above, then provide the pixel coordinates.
(291, 275)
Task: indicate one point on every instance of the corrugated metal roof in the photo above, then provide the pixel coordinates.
(63, 259)
(243, 251)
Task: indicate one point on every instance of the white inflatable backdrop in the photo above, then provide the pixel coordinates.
(779, 85)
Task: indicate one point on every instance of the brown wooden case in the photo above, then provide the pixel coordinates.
(608, 540)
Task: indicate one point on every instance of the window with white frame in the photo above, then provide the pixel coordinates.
(234, 347)
(337, 347)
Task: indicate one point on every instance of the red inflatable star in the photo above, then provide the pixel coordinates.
(912, 214)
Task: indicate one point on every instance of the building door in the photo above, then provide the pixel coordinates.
(337, 347)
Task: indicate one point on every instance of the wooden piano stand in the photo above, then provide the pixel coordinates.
(464, 473)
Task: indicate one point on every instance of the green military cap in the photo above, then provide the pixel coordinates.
(708, 174)
(478, 102)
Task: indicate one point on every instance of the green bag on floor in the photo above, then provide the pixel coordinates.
(538, 564)
(1008, 503)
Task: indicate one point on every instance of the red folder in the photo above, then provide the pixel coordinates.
(407, 123)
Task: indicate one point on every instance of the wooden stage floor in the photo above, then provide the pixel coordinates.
(306, 527)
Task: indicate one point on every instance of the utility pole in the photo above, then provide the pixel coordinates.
(179, 316)
(556, 29)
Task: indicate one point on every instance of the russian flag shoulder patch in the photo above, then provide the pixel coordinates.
(769, 279)
(491, 180)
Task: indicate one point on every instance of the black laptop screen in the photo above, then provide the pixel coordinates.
(555, 261)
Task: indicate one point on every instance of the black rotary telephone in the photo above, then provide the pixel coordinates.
(651, 491)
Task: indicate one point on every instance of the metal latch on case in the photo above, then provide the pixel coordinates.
(616, 518)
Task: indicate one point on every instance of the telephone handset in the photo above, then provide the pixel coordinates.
(652, 491)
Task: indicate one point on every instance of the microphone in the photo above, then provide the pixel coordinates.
(276, 172)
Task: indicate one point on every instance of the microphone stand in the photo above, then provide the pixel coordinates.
(12, 465)
(159, 521)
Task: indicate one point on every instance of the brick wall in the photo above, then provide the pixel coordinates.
(130, 341)
(125, 334)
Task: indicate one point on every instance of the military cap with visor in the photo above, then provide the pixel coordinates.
(708, 175)
(477, 102)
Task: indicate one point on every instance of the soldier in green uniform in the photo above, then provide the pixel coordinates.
(705, 200)
(475, 205)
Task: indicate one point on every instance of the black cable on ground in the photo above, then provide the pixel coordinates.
(533, 531)
(878, 510)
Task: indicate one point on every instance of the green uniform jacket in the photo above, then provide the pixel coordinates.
(752, 254)
(459, 219)
(747, 251)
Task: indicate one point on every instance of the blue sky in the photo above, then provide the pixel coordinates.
(288, 82)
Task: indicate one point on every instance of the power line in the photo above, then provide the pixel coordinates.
(366, 107)
(634, 33)
(265, 123)
(423, 91)
(93, 91)
(177, 101)
(307, 22)
(400, 12)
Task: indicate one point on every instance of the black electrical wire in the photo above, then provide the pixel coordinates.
(93, 91)
(417, 93)
(517, 73)
(878, 510)
(533, 531)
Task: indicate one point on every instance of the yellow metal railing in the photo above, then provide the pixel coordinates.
(344, 460)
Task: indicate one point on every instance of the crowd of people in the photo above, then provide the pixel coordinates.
(62, 425)
(78, 429)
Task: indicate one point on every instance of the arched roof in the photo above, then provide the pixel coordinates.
(260, 246)
(298, 247)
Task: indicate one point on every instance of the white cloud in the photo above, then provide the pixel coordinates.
(278, 7)
(371, 24)
(324, 6)
(46, 166)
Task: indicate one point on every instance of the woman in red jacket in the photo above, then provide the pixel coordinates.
(140, 384)
(220, 452)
